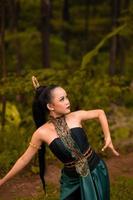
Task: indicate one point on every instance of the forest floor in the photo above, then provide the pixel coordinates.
(28, 185)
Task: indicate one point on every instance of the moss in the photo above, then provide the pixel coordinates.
(122, 189)
(52, 194)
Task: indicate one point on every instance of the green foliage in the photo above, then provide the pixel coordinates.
(12, 114)
(88, 57)
(13, 139)
(12, 144)
(122, 189)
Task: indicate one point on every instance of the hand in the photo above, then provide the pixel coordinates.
(109, 144)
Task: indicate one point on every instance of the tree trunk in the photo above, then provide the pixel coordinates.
(115, 4)
(122, 43)
(3, 118)
(2, 36)
(2, 57)
(45, 32)
(14, 10)
(86, 24)
(66, 19)
(126, 4)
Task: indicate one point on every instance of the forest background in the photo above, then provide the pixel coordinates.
(83, 45)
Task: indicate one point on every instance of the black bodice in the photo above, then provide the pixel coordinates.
(63, 154)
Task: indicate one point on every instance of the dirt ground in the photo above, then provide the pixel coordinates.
(28, 185)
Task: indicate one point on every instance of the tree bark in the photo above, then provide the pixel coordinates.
(115, 4)
(66, 19)
(2, 57)
(2, 39)
(3, 118)
(45, 32)
(14, 10)
(126, 4)
(86, 22)
(122, 43)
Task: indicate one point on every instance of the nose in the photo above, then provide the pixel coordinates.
(67, 102)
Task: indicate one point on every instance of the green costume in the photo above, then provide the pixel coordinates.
(92, 187)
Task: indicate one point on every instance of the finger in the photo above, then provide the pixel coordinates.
(105, 146)
(115, 152)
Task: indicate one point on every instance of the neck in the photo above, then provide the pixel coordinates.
(53, 115)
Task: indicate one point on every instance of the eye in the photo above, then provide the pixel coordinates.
(62, 99)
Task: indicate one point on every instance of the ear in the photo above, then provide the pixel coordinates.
(50, 107)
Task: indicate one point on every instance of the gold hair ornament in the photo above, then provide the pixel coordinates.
(35, 82)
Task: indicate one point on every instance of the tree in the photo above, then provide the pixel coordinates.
(2, 56)
(14, 9)
(66, 20)
(86, 20)
(45, 32)
(115, 10)
(2, 38)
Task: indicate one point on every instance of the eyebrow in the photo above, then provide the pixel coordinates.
(62, 96)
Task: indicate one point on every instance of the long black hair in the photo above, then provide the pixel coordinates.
(40, 112)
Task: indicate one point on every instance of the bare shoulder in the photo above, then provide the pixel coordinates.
(44, 129)
(45, 132)
(82, 115)
(76, 115)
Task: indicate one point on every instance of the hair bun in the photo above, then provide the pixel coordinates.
(40, 89)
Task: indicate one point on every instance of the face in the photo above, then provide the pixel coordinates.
(59, 103)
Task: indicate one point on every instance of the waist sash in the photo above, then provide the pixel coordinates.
(94, 186)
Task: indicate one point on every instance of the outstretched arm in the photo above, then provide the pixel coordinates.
(100, 114)
(24, 159)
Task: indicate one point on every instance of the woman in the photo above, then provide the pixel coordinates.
(84, 175)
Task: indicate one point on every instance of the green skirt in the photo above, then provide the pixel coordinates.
(95, 186)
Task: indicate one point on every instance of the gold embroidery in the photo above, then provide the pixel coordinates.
(85, 155)
(63, 131)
